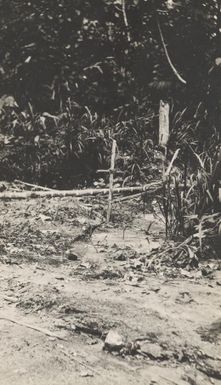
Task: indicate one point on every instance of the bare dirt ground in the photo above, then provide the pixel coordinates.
(62, 292)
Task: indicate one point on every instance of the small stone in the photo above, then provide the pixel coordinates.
(71, 255)
(2, 187)
(52, 339)
(137, 265)
(119, 255)
(86, 374)
(155, 289)
(153, 351)
(114, 341)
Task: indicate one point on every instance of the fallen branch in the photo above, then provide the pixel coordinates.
(160, 254)
(40, 330)
(33, 185)
(127, 198)
(79, 193)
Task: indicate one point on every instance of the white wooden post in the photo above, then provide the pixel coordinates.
(164, 124)
(164, 129)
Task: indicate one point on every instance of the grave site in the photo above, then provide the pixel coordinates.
(110, 192)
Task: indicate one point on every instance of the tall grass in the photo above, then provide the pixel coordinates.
(190, 188)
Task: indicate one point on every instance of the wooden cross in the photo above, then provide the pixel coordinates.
(111, 173)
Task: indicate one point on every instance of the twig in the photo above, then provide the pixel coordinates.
(168, 380)
(40, 330)
(162, 253)
(10, 299)
(153, 188)
(155, 256)
(187, 240)
(129, 197)
(70, 355)
(33, 185)
(168, 56)
(126, 20)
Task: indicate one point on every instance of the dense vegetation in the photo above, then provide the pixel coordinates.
(75, 73)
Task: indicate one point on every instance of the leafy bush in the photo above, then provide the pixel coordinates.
(68, 149)
(191, 187)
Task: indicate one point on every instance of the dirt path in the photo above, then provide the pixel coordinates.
(175, 320)
(157, 311)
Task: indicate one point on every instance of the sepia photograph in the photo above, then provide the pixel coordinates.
(110, 192)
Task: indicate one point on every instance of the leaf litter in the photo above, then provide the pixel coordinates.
(66, 243)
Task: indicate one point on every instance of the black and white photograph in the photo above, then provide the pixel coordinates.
(110, 192)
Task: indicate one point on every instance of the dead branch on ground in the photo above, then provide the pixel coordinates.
(154, 186)
(37, 329)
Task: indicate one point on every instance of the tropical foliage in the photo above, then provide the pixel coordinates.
(81, 72)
